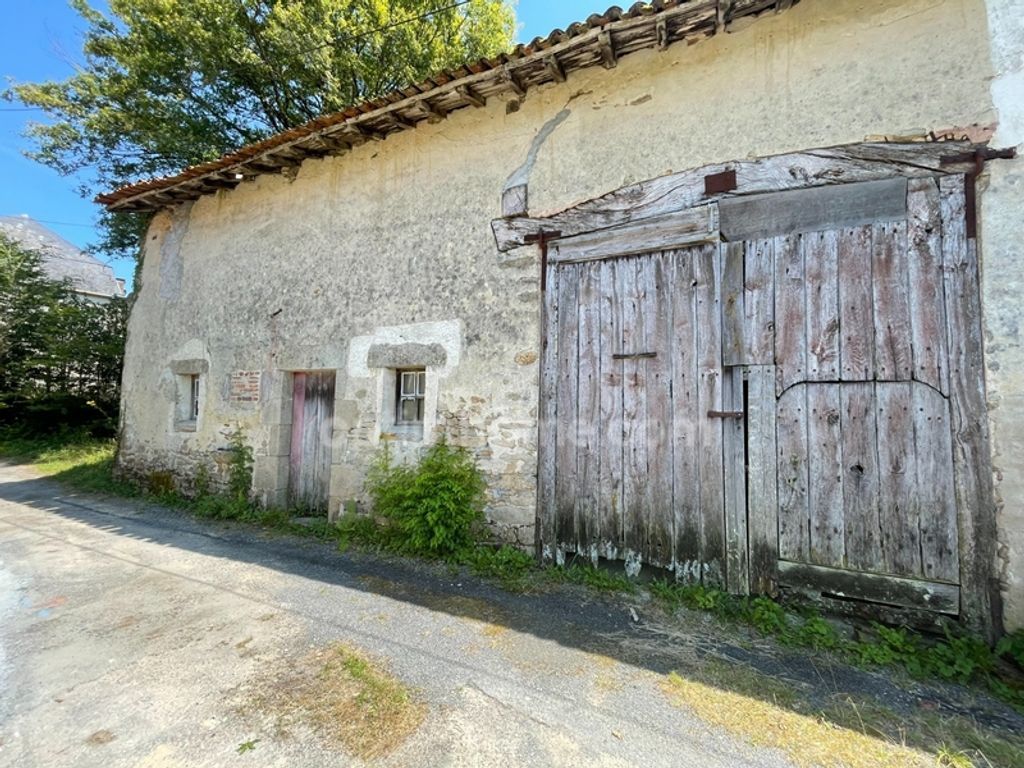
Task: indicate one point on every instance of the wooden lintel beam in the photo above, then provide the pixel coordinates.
(472, 95)
(607, 49)
(554, 68)
(514, 83)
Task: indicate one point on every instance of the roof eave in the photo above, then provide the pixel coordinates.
(601, 41)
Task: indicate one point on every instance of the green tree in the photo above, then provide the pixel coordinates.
(170, 83)
(60, 355)
(31, 315)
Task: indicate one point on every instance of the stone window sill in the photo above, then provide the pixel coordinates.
(185, 426)
(406, 433)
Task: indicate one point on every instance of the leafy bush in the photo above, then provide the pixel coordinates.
(1012, 647)
(436, 505)
(239, 468)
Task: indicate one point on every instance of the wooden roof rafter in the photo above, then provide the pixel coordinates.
(600, 41)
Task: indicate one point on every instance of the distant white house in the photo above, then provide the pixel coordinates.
(90, 278)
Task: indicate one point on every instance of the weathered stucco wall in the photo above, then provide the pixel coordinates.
(1002, 244)
(392, 241)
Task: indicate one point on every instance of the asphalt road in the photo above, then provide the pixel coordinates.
(132, 635)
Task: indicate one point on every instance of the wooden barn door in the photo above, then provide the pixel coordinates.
(632, 465)
(310, 460)
(853, 310)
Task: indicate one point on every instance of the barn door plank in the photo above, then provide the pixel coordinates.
(566, 487)
(936, 494)
(762, 474)
(734, 335)
(588, 446)
(658, 313)
(748, 303)
(610, 493)
(894, 358)
(825, 472)
(734, 479)
(790, 311)
(972, 470)
(326, 439)
(927, 299)
(548, 417)
(634, 408)
(821, 285)
(748, 217)
(312, 434)
(861, 523)
(856, 309)
(685, 477)
(298, 429)
(707, 276)
(759, 302)
(794, 520)
(898, 510)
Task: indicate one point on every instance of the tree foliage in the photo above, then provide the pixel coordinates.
(60, 355)
(170, 83)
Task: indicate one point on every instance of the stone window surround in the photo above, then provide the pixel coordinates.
(183, 371)
(386, 360)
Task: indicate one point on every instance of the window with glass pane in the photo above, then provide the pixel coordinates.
(194, 398)
(412, 386)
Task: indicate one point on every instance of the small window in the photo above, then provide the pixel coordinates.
(193, 401)
(411, 386)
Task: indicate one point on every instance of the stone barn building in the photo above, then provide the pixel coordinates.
(730, 288)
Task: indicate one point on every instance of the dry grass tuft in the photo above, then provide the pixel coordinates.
(346, 698)
(847, 732)
(808, 740)
(100, 738)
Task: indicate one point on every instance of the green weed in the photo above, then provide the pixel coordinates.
(512, 568)
(589, 576)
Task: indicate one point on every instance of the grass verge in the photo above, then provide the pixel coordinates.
(846, 732)
(84, 463)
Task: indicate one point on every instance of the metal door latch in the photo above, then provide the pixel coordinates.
(726, 414)
(632, 355)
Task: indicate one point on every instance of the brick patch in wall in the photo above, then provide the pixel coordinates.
(245, 387)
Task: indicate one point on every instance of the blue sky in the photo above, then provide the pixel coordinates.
(41, 40)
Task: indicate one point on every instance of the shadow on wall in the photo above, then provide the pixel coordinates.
(702, 653)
